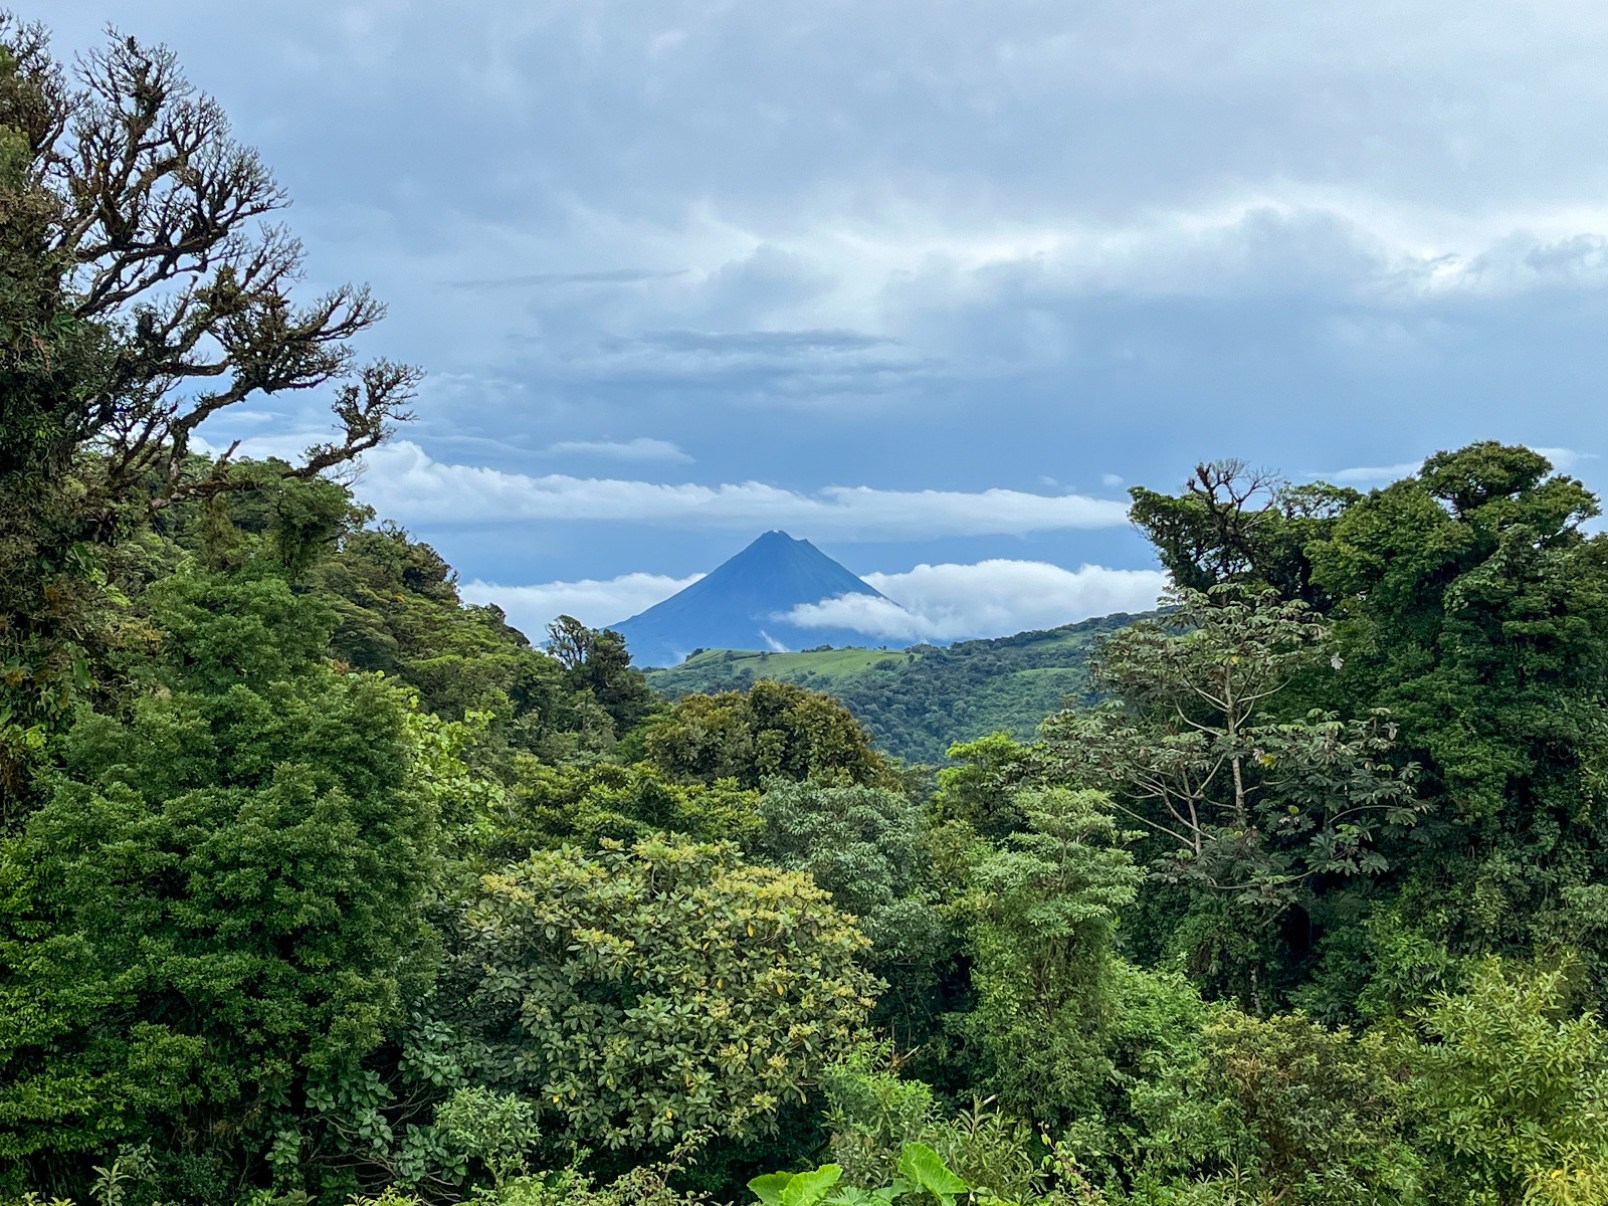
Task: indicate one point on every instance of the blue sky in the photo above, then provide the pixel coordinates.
(926, 282)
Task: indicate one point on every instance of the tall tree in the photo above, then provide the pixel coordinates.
(1473, 606)
(151, 226)
(1047, 907)
(1243, 808)
(1236, 524)
(218, 911)
(144, 289)
(772, 730)
(596, 662)
(868, 847)
(1468, 600)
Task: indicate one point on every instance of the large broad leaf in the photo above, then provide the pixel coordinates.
(796, 1189)
(809, 1188)
(768, 1188)
(925, 1169)
(849, 1196)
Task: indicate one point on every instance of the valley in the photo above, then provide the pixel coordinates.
(917, 701)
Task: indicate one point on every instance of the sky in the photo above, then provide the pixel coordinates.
(929, 283)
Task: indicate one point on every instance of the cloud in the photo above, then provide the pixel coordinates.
(1379, 219)
(640, 449)
(1364, 475)
(1564, 460)
(990, 598)
(603, 276)
(594, 602)
(783, 342)
(404, 482)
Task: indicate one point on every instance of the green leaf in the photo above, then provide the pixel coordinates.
(768, 1188)
(926, 1169)
(810, 1188)
(796, 1189)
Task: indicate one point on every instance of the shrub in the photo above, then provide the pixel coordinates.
(643, 994)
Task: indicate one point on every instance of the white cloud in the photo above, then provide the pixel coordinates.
(640, 449)
(934, 602)
(1564, 460)
(406, 483)
(989, 598)
(594, 602)
(1361, 475)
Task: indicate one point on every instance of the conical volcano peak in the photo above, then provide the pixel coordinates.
(770, 542)
(747, 603)
(777, 541)
(799, 561)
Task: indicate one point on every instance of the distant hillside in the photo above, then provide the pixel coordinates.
(741, 604)
(917, 701)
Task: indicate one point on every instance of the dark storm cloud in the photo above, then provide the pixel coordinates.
(936, 244)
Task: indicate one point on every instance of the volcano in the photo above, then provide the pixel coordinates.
(741, 605)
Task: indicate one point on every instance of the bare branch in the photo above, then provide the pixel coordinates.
(159, 230)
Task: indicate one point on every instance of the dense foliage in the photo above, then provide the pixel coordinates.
(917, 702)
(661, 990)
(319, 885)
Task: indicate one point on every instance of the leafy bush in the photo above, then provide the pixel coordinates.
(921, 1176)
(770, 730)
(550, 806)
(643, 994)
(865, 846)
(1508, 1087)
(1317, 1108)
(1046, 911)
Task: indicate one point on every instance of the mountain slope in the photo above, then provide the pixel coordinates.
(916, 701)
(740, 604)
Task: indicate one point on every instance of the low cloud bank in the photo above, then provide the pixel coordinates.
(594, 602)
(986, 599)
(406, 483)
(928, 603)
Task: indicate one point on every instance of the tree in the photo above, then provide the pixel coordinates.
(643, 995)
(597, 661)
(867, 846)
(1245, 815)
(1474, 608)
(771, 730)
(1508, 1087)
(1046, 915)
(1240, 525)
(580, 805)
(154, 224)
(145, 290)
(570, 642)
(982, 789)
(1467, 600)
(1191, 749)
(218, 911)
(1315, 1110)
(400, 613)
